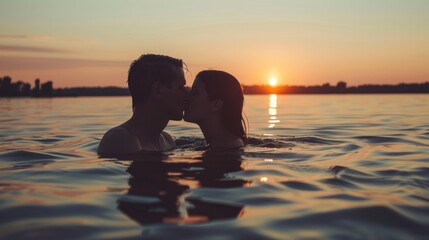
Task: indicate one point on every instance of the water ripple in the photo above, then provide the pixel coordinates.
(300, 186)
(379, 139)
(333, 167)
(19, 156)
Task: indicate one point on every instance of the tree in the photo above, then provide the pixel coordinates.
(342, 85)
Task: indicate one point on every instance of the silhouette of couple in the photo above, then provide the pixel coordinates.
(158, 91)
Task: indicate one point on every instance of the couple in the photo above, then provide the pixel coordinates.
(158, 91)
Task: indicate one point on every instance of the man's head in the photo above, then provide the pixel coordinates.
(161, 77)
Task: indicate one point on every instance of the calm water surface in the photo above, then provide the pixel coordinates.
(317, 167)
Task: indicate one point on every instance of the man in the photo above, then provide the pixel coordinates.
(157, 87)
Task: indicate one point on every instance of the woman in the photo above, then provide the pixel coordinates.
(216, 105)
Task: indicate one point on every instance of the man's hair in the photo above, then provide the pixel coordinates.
(147, 69)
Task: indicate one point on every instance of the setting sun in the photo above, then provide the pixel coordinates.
(273, 81)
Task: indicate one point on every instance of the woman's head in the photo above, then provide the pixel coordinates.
(217, 91)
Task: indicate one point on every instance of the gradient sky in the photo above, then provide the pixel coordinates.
(301, 42)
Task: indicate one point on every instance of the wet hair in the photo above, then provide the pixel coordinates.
(147, 69)
(222, 85)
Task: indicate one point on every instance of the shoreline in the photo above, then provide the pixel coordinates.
(248, 94)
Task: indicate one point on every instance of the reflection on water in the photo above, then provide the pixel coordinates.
(158, 189)
(335, 167)
(272, 111)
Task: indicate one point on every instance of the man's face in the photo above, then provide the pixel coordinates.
(174, 95)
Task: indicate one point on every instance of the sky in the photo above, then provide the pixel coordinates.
(299, 42)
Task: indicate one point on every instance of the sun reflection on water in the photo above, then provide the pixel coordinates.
(272, 111)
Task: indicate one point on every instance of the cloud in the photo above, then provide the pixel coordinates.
(14, 36)
(35, 63)
(46, 38)
(16, 48)
(28, 37)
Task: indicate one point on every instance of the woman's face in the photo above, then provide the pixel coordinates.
(199, 105)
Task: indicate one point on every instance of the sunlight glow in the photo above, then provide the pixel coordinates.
(273, 100)
(272, 110)
(273, 81)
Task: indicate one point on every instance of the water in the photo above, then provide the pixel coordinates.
(317, 167)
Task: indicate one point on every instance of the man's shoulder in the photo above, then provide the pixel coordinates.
(118, 140)
(117, 134)
(168, 141)
(120, 130)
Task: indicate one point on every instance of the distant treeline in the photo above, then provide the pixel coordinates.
(340, 88)
(20, 88)
(92, 91)
(8, 88)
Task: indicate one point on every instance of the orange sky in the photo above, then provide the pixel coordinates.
(302, 42)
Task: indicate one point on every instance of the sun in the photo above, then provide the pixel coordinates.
(273, 81)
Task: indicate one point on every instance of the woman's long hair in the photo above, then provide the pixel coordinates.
(222, 85)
